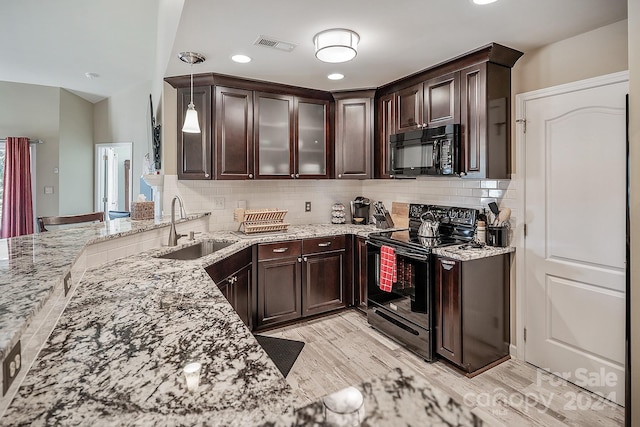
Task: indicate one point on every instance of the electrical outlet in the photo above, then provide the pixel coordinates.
(218, 203)
(67, 283)
(10, 367)
(307, 206)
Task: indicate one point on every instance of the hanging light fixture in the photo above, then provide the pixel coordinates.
(191, 124)
(336, 45)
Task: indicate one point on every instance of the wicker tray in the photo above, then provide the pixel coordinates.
(264, 220)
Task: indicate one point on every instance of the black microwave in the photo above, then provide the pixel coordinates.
(427, 151)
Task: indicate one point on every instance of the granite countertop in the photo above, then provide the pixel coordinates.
(400, 398)
(117, 352)
(35, 264)
(461, 253)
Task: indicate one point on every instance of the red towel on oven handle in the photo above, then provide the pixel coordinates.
(388, 271)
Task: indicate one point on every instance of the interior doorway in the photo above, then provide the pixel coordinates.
(113, 178)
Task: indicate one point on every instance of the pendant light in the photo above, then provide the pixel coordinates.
(191, 124)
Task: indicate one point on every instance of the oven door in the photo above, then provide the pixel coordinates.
(411, 296)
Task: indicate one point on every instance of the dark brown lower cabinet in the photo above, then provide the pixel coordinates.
(300, 278)
(279, 290)
(360, 273)
(233, 276)
(472, 310)
(323, 283)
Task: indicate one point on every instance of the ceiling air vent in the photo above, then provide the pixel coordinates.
(266, 41)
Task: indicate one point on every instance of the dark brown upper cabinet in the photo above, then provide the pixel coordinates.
(473, 90)
(434, 102)
(409, 107)
(354, 134)
(385, 127)
(291, 137)
(274, 136)
(441, 100)
(194, 149)
(234, 133)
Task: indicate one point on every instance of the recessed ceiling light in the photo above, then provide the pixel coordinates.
(483, 2)
(335, 76)
(91, 76)
(243, 59)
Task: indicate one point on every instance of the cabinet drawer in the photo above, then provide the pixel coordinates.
(279, 250)
(225, 268)
(323, 244)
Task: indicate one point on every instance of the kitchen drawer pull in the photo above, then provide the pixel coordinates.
(447, 265)
(324, 245)
(280, 250)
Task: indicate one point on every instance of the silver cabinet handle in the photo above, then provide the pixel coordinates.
(280, 250)
(297, 175)
(324, 245)
(250, 176)
(304, 258)
(206, 175)
(299, 259)
(293, 176)
(447, 265)
(339, 175)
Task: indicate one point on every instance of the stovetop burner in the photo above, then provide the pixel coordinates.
(457, 227)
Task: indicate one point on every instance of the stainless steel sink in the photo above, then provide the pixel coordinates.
(196, 251)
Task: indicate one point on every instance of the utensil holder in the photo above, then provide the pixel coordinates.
(498, 236)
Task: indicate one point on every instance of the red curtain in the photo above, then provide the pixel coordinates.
(17, 207)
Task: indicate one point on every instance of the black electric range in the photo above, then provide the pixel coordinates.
(405, 311)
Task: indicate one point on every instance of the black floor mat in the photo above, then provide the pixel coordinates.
(283, 352)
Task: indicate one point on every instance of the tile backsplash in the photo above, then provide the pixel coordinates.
(222, 197)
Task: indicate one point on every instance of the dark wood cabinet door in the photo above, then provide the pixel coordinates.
(448, 314)
(194, 149)
(234, 133)
(279, 287)
(442, 100)
(360, 273)
(242, 295)
(473, 118)
(323, 283)
(274, 133)
(354, 138)
(385, 127)
(409, 104)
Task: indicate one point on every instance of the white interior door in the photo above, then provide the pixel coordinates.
(575, 196)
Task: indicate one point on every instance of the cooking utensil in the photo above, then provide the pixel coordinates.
(429, 226)
(504, 216)
(494, 208)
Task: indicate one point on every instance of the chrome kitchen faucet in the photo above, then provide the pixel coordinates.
(173, 235)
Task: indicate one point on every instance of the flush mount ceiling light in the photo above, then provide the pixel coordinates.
(91, 75)
(483, 2)
(336, 45)
(242, 59)
(191, 124)
(335, 76)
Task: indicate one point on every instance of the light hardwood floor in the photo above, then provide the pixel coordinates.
(343, 350)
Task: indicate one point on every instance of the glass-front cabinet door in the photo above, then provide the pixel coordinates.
(312, 130)
(274, 135)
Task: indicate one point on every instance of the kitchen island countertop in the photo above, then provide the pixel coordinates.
(117, 352)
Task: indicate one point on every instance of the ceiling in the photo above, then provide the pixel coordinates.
(56, 43)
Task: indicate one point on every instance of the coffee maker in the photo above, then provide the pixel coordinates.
(360, 210)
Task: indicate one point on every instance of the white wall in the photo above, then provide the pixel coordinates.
(76, 155)
(125, 117)
(34, 111)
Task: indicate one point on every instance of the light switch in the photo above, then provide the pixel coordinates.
(48, 189)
